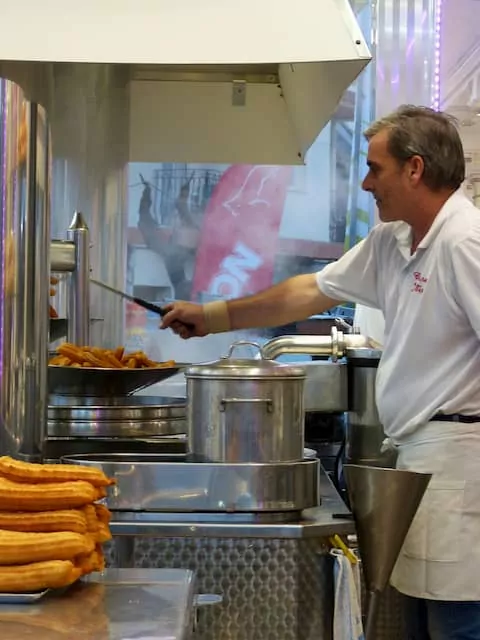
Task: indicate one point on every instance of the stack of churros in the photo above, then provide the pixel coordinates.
(69, 355)
(51, 525)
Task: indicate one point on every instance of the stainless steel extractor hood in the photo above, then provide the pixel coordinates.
(210, 80)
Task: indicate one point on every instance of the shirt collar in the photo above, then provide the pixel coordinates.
(403, 231)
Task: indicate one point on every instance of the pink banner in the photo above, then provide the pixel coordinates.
(240, 230)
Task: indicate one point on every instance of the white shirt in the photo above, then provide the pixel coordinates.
(370, 322)
(431, 304)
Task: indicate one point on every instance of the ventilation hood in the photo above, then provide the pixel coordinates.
(218, 81)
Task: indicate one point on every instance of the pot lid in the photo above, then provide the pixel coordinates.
(229, 367)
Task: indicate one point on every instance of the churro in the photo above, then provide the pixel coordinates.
(51, 496)
(102, 534)
(20, 471)
(90, 515)
(96, 528)
(101, 492)
(92, 562)
(18, 547)
(44, 521)
(70, 355)
(38, 576)
(103, 514)
(48, 514)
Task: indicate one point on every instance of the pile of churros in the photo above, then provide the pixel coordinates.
(69, 355)
(51, 526)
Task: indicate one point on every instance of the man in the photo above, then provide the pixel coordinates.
(421, 268)
(371, 323)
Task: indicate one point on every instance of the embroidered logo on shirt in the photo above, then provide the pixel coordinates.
(419, 282)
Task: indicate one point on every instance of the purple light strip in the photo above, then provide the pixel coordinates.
(435, 104)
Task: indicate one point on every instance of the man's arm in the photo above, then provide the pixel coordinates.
(352, 278)
(294, 299)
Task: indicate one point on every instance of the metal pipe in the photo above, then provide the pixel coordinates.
(79, 293)
(335, 345)
(308, 345)
(25, 237)
(62, 256)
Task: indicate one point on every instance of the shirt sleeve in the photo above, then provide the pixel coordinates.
(466, 277)
(353, 278)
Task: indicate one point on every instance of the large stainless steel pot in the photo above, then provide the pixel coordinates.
(245, 410)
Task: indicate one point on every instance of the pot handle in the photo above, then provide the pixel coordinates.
(226, 401)
(244, 343)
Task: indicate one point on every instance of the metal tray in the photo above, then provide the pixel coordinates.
(127, 417)
(55, 448)
(165, 484)
(96, 382)
(23, 598)
(138, 408)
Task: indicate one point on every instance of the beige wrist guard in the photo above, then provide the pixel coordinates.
(216, 315)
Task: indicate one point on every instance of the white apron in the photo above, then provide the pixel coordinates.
(440, 559)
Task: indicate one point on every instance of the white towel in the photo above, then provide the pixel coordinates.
(347, 616)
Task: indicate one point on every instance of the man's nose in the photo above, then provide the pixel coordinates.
(366, 186)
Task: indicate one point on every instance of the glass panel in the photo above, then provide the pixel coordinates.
(201, 232)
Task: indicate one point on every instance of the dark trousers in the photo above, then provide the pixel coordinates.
(441, 620)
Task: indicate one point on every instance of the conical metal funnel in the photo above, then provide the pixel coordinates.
(384, 503)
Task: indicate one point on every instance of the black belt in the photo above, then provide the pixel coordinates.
(455, 417)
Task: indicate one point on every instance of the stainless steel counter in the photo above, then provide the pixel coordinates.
(318, 522)
(121, 604)
(275, 577)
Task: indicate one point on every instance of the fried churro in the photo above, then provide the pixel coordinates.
(102, 534)
(70, 355)
(101, 493)
(103, 514)
(44, 521)
(96, 528)
(91, 562)
(52, 496)
(51, 528)
(90, 515)
(18, 547)
(20, 471)
(37, 576)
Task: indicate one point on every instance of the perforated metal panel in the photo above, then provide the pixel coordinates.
(272, 589)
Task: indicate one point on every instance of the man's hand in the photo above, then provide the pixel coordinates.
(186, 319)
(289, 301)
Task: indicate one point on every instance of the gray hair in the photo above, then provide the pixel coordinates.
(432, 135)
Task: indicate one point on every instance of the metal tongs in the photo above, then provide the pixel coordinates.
(140, 301)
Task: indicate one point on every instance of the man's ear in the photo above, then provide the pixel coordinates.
(415, 169)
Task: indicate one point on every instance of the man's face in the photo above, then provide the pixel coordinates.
(389, 181)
